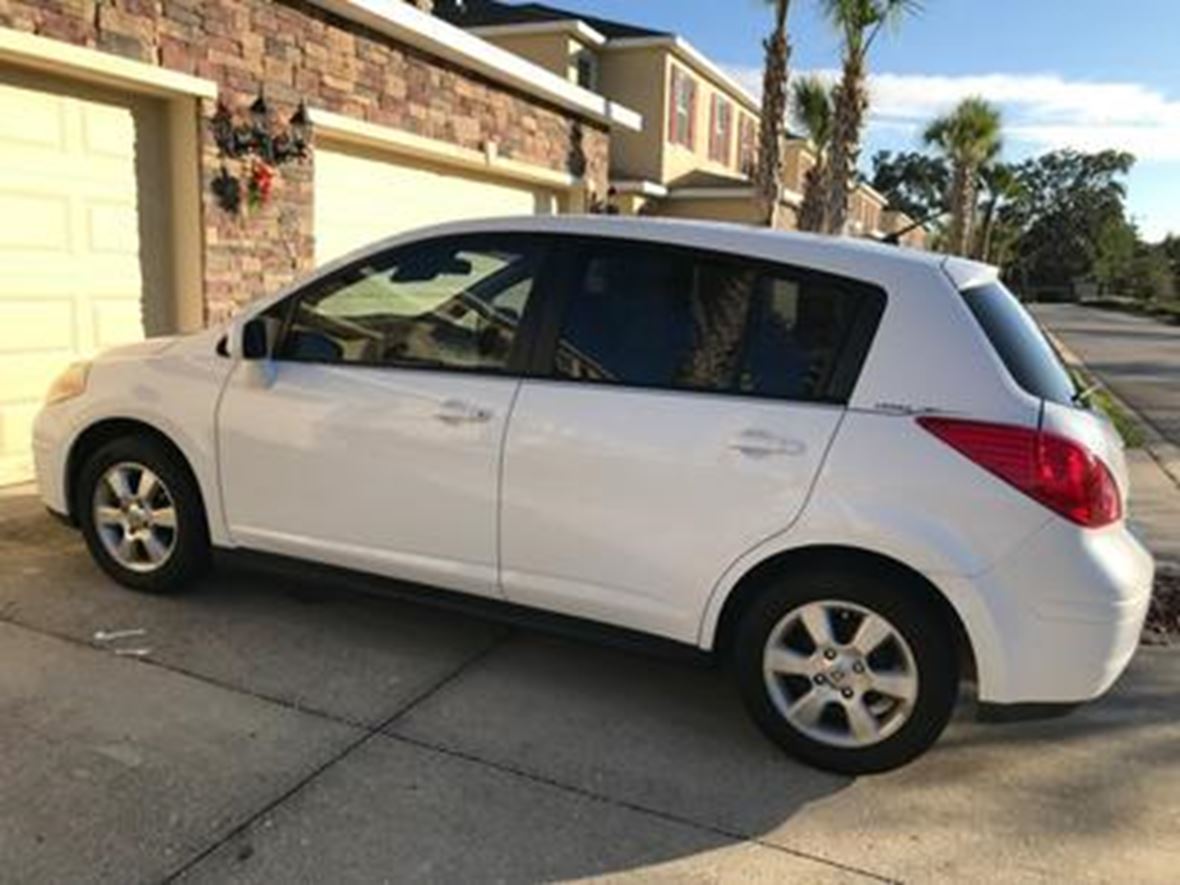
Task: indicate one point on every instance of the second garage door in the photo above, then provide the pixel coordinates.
(363, 195)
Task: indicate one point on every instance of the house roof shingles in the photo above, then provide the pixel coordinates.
(481, 13)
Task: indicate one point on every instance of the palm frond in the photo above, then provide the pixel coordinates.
(893, 11)
(811, 109)
(970, 133)
(859, 21)
(889, 14)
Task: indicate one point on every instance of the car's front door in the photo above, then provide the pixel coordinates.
(372, 439)
(690, 401)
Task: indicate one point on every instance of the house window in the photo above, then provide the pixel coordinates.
(586, 70)
(747, 144)
(682, 112)
(720, 129)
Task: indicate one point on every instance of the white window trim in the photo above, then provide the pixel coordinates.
(717, 131)
(738, 192)
(574, 27)
(677, 76)
(640, 186)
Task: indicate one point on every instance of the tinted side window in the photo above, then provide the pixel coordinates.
(1020, 344)
(662, 317)
(452, 303)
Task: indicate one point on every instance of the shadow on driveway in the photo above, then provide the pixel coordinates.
(547, 758)
(450, 748)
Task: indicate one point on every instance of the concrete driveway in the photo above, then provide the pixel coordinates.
(281, 732)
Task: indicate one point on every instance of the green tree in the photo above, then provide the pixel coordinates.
(1171, 247)
(915, 183)
(811, 106)
(969, 137)
(1067, 200)
(859, 23)
(1150, 276)
(1114, 254)
(768, 174)
(1000, 182)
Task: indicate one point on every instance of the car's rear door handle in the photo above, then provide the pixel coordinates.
(455, 411)
(763, 442)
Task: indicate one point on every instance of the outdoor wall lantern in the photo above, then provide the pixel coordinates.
(258, 147)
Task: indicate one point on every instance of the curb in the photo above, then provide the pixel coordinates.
(1165, 454)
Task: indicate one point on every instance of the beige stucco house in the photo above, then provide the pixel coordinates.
(694, 156)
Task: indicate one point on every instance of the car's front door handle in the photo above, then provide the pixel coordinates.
(455, 411)
(763, 442)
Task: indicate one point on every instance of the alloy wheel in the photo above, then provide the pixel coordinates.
(135, 517)
(840, 673)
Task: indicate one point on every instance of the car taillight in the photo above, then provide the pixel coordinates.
(1063, 475)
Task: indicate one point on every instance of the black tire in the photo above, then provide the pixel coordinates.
(190, 551)
(905, 604)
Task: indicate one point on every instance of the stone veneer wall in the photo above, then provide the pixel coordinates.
(293, 50)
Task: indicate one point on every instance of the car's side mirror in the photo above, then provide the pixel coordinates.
(254, 344)
(247, 339)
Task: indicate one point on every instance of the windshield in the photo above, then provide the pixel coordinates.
(1020, 343)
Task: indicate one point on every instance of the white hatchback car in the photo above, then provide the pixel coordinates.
(857, 472)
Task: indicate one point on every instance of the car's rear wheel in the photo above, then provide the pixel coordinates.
(141, 513)
(848, 670)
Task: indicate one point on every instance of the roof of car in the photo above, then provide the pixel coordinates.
(846, 253)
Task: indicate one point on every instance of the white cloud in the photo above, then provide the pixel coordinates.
(1041, 111)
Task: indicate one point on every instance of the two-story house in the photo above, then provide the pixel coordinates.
(694, 156)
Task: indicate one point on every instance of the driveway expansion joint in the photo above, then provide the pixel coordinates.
(369, 732)
(734, 836)
(381, 730)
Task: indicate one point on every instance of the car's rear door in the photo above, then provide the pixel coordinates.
(372, 439)
(681, 406)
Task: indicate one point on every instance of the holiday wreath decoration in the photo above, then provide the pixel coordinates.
(251, 151)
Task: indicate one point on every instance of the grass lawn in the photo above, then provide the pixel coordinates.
(1127, 426)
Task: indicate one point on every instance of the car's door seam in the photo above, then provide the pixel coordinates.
(217, 466)
(804, 504)
(500, 486)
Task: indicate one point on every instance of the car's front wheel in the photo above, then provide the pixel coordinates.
(141, 513)
(850, 671)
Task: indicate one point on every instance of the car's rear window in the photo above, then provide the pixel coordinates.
(1020, 343)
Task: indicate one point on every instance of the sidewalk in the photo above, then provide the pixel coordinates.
(1155, 507)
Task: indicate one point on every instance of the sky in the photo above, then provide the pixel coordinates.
(1086, 74)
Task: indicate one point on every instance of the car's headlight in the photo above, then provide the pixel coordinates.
(69, 384)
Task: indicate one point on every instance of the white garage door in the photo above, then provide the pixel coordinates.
(362, 196)
(70, 280)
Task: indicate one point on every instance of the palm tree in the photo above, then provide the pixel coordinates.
(969, 137)
(768, 175)
(811, 105)
(859, 22)
(1002, 185)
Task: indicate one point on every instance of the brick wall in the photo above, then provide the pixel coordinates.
(294, 51)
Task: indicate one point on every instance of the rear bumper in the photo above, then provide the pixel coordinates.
(1060, 618)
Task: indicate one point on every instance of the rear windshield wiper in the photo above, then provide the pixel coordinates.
(1082, 395)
